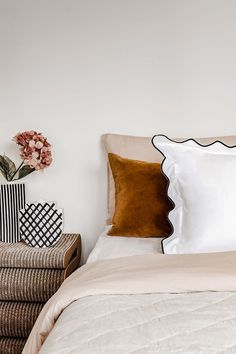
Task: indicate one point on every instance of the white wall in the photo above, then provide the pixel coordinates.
(75, 69)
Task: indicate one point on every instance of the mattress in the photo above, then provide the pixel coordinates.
(150, 303)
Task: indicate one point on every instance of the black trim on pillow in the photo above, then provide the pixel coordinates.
(168, 185)
(168, 180)
(191, 139)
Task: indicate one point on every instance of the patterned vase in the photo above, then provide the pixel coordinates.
(12, 199)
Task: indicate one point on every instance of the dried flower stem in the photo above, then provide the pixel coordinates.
(11, 179)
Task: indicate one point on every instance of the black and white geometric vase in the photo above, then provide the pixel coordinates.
(12, 199)
(40, 224)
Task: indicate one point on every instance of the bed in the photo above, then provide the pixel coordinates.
(131, 298)
(143, 304)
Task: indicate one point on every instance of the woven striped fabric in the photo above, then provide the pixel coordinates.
(11, 345)
(36, 285)
(17, 318)
(20, 255)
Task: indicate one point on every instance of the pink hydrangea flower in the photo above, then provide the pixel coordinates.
(35, 150)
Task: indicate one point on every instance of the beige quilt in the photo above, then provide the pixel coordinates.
(136, 275)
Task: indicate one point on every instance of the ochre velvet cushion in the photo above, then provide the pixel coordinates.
(141, 202)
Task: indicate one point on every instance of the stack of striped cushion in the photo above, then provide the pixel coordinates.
(28, 278)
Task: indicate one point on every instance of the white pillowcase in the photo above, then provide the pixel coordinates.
(110, 247)
(203, 189)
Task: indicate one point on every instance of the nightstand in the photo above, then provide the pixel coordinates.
(28, 278)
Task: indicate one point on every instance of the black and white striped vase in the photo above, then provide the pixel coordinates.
(12, 199)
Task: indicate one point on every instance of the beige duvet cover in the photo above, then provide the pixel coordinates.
(148, 274)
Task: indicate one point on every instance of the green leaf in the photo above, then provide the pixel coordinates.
(24, 171)
(11, 166)
(7, 167)
(3, 167)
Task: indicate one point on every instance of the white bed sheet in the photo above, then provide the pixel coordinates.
(110, 247)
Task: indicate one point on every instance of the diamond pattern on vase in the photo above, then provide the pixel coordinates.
(40, 224)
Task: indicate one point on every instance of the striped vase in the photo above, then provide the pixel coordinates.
(12, 199)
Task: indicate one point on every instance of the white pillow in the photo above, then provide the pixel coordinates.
(203, 189)
(110, 247)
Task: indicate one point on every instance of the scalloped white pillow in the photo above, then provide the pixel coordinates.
(203, 189)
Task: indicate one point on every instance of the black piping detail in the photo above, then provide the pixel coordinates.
(168, 180)
(191, 139)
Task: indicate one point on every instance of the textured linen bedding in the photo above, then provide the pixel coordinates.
(108, 247)
(143, 304)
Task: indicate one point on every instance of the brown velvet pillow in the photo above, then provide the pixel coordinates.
(142, 204)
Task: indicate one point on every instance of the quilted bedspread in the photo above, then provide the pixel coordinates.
(192, 323)
(164, 304)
